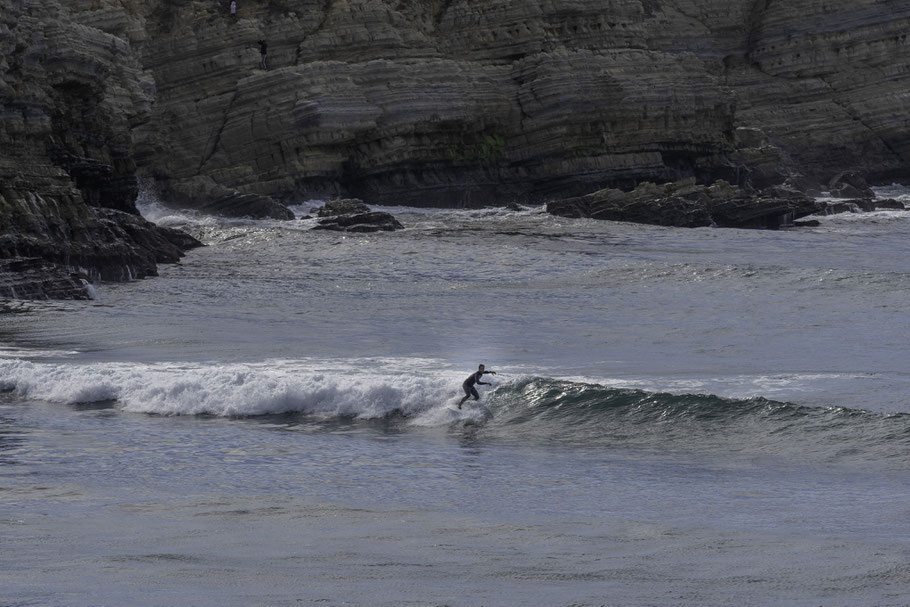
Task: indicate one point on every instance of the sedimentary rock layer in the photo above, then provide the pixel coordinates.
(352, 215)
(450, 102)
(69, 97)
(440, 102)
(688, 205)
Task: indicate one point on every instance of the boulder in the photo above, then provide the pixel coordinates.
(343, 206)
(861, 205)
(36, 278)
(836, 208)
(352, 215)
(890, 204)
(850, 184)
(203, 194)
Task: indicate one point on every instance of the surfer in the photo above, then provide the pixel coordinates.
(468, 385)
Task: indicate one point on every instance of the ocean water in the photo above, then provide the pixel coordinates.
(679, 417)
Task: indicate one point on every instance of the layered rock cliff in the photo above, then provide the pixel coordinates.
(451, 102)
(69, 97)
(433, 102)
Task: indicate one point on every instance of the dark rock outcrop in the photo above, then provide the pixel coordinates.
(352, 215)
(860, 205)
(685, 204)
(889, 204)
(850, 184)
(69, 97)
(99, 244)
(458, 103)
(342, 206)
(203, 194)
(35, 278)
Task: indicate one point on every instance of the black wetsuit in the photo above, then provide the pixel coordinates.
(468, 384)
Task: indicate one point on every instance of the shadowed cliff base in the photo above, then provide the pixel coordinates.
(50, 255)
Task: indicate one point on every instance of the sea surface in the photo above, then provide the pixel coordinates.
(680, 417)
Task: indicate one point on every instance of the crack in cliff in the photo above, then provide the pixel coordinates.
(521, 108)
(753, 27)
(217, 142)
(437, 18)
(855, 115)
(754, 22)
(691, 18)
(326, 10)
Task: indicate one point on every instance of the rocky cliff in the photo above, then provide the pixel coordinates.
(452, 102)
(435, 102)
(69, 97)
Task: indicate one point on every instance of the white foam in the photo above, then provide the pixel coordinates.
(306, 208)
(24, 352)
(237, 389)
(448, 413)
(895, 190)
(151, 209)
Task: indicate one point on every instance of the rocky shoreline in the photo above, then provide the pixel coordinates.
(47, 255)
(689, 205)
(695, 112)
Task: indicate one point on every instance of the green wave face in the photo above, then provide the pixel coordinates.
(579, 414)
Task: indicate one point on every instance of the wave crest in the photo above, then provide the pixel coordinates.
(525, 409)
(240, 389)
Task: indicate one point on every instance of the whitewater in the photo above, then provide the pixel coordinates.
(679, 417)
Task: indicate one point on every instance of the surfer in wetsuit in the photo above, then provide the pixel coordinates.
(468, 385)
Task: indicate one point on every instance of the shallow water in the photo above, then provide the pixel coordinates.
(681, 417)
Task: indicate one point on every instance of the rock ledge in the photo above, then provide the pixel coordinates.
(685, 204)
(352, 215)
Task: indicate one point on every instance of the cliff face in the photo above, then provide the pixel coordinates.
(69, 97)
(453, 102)
(429, 102)
(425, 102)
(828, 82)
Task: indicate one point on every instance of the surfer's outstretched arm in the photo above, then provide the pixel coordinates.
(485, 383)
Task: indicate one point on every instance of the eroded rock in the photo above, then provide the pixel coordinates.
(686, 204)
(889, 204)
(352, 215)
(203, 194)
(69, 96)
(36, 278)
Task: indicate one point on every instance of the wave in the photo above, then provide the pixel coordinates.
(592, 414)
(227, 390)
(524, 409)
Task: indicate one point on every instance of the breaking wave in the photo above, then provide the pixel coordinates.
(240, 389)
(525, 409)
